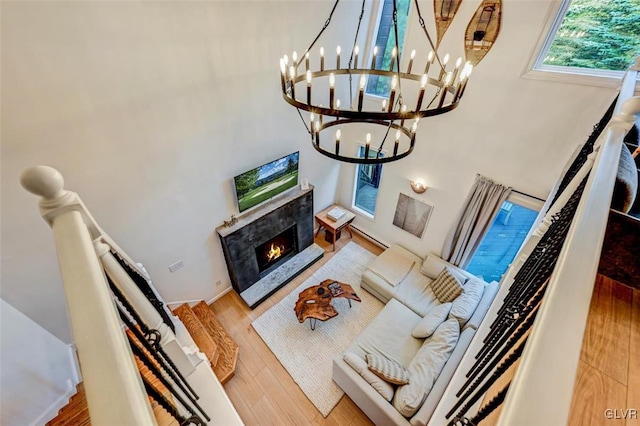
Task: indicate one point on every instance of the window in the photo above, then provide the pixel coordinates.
(385, 42)
(367, 182)
(592, 37)
(502, 241)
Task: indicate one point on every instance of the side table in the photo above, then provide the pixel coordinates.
(333, 227)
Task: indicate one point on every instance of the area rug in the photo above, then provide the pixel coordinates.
(307, 355)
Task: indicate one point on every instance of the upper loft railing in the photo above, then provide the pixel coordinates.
(520, 369)
(542, 388)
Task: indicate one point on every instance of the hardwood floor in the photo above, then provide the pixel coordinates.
(608, 376)
(261, 390)
(609, 371)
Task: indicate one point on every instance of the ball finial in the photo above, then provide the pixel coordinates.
(44, 181)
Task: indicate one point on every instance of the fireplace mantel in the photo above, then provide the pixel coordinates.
(254, 228)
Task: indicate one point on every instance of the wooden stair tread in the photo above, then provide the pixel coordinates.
(200, 336)
(227, 347)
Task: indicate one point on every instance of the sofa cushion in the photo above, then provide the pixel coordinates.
(465, 305)
(433, 265)
(389, 334)
(416, 293)
(360, 366)
(428, 325)
(447, 286)
(488, 295)
(425, 367)
(392, 265)
(388, 370)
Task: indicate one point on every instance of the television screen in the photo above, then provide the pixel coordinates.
(260, 184)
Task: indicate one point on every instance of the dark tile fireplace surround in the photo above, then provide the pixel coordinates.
(269, 246)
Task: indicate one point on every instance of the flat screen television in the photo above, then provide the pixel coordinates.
(264, 182)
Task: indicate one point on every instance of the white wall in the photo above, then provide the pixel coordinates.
(148, 109)
(38, 370)
(518, 131)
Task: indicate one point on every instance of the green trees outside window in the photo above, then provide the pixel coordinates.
(597, 34)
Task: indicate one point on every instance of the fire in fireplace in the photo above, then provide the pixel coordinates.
(276, 250)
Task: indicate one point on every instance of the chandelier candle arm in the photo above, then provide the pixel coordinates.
(447, 81)
(430, 59)
(338, 142)
(413, 55)
(443, 70)
(367, 145)
(338, 58)
(332, 89)
(373, 59)
(363, 82)
(356, 50)
(309, 87)
(396, 144)
(322, 59)
(306, 61)
(456, 69)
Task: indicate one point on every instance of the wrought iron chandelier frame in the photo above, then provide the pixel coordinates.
(445, 86)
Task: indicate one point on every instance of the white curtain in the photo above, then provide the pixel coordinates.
(480, 209)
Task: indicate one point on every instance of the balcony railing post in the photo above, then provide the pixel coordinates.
(115, 393)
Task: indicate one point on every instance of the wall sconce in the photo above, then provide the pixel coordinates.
(418, 187)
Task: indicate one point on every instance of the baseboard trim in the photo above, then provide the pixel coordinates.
(172, 305)
(52, 411)
(371, 238)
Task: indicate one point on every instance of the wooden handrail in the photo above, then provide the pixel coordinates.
(114, 389)
(542, 388)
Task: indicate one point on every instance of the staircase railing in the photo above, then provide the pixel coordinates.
(102, 287)
(114, 389)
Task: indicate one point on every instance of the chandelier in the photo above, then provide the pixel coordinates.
(420, 87)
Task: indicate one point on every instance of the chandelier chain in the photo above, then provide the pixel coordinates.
(324, 27)
(353, 48)
(424, 28)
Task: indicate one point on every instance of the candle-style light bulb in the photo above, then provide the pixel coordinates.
(447, 81)
(363, 82)
(414, 127)
(286, 60)
(456, 69)
(384, 104)
(332, 90)
(283, 66)
(322, 59)
(294, 57)
(308, 87)
(306, 60)
(292, 76)
(337, 103)
(444, 65)
(430, 58)
(413, 55)
(367, 145)
(312, 118)
(373, 59)
(423, 83)
(338, 57)
(356, 50)
(338, 142)
(394, 52)
(392, 96)
(403, 110)
(396, 144)
(445, 60)
(317, 129)
(283, 74)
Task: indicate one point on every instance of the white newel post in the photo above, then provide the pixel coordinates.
(114, 389)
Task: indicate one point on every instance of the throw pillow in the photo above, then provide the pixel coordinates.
(446, 286)
(360, 366)
(428, 325)
(464, 306)
(426, 367)
(387, 369)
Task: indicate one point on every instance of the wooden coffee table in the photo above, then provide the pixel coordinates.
(315, 302)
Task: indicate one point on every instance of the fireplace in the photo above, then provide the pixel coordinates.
(276, 250)
(285, 224)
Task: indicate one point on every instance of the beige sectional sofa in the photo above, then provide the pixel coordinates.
(403, 281)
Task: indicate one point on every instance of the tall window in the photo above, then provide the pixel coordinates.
(593, 34)
(502, 241)
(367, 181)
(385, 42)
